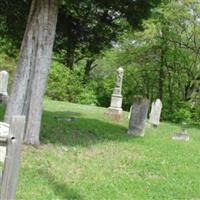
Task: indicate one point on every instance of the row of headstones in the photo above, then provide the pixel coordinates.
(138, 112)
(138, 116)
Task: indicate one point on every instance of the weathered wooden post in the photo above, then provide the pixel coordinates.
(12, 160)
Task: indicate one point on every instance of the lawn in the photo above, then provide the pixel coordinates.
(85, 156)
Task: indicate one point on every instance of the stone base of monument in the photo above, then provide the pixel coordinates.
(136, 132)
(115, 114)
(115, 111)
(116, 101)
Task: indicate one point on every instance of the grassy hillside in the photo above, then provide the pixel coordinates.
(92, 158)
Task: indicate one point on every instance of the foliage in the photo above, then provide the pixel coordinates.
(87, 96)
(13, 18)
(84, 28)
(8, 63)
(64, 84)
(163, 60)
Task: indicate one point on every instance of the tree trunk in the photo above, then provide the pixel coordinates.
(88, 68)
(70, 55)
(32, 68)
(162, 63)
(161, 75)
(170, 92)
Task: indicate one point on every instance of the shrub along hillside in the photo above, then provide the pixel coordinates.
(85, 156)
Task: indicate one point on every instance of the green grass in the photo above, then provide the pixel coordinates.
(92, 158)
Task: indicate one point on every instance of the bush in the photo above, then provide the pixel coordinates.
(87, 96)
(182, 115)
(63, 84)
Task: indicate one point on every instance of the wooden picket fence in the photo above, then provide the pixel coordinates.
(13, 144)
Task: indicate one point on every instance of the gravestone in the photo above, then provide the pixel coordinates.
(129, 114)
(115, 110)
(182, 135)
(156, 108)
(4, 130)
(4, 82)
(3, 86)
(138, 117)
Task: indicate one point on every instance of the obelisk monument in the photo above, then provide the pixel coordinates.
(115, 110)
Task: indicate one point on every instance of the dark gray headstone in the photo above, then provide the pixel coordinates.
(138, 117)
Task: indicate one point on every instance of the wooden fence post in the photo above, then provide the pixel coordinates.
(12, 160)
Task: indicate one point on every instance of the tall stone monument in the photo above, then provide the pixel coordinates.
(115, 110)
(138, 117)
(156, 108)
(3, 86)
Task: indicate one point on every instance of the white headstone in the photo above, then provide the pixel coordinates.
(156, 108)
(129, 115)
(4, 83)
(4, 130)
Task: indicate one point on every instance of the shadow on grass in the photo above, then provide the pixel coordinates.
(82, 131)
(61, 190)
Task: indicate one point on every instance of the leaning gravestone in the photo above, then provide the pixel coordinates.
(3, 86)
(115, 110)
(138, 117)
(154, 117)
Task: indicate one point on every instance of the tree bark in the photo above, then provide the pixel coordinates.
(161, 75)
(88, 68)
(32, 68)
(70, 55)
(164, 46)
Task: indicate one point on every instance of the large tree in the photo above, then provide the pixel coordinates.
(32, 68)
(86, 28)
(36, 49)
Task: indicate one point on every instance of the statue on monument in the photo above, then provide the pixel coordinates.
(120, 72)
(118, 84)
